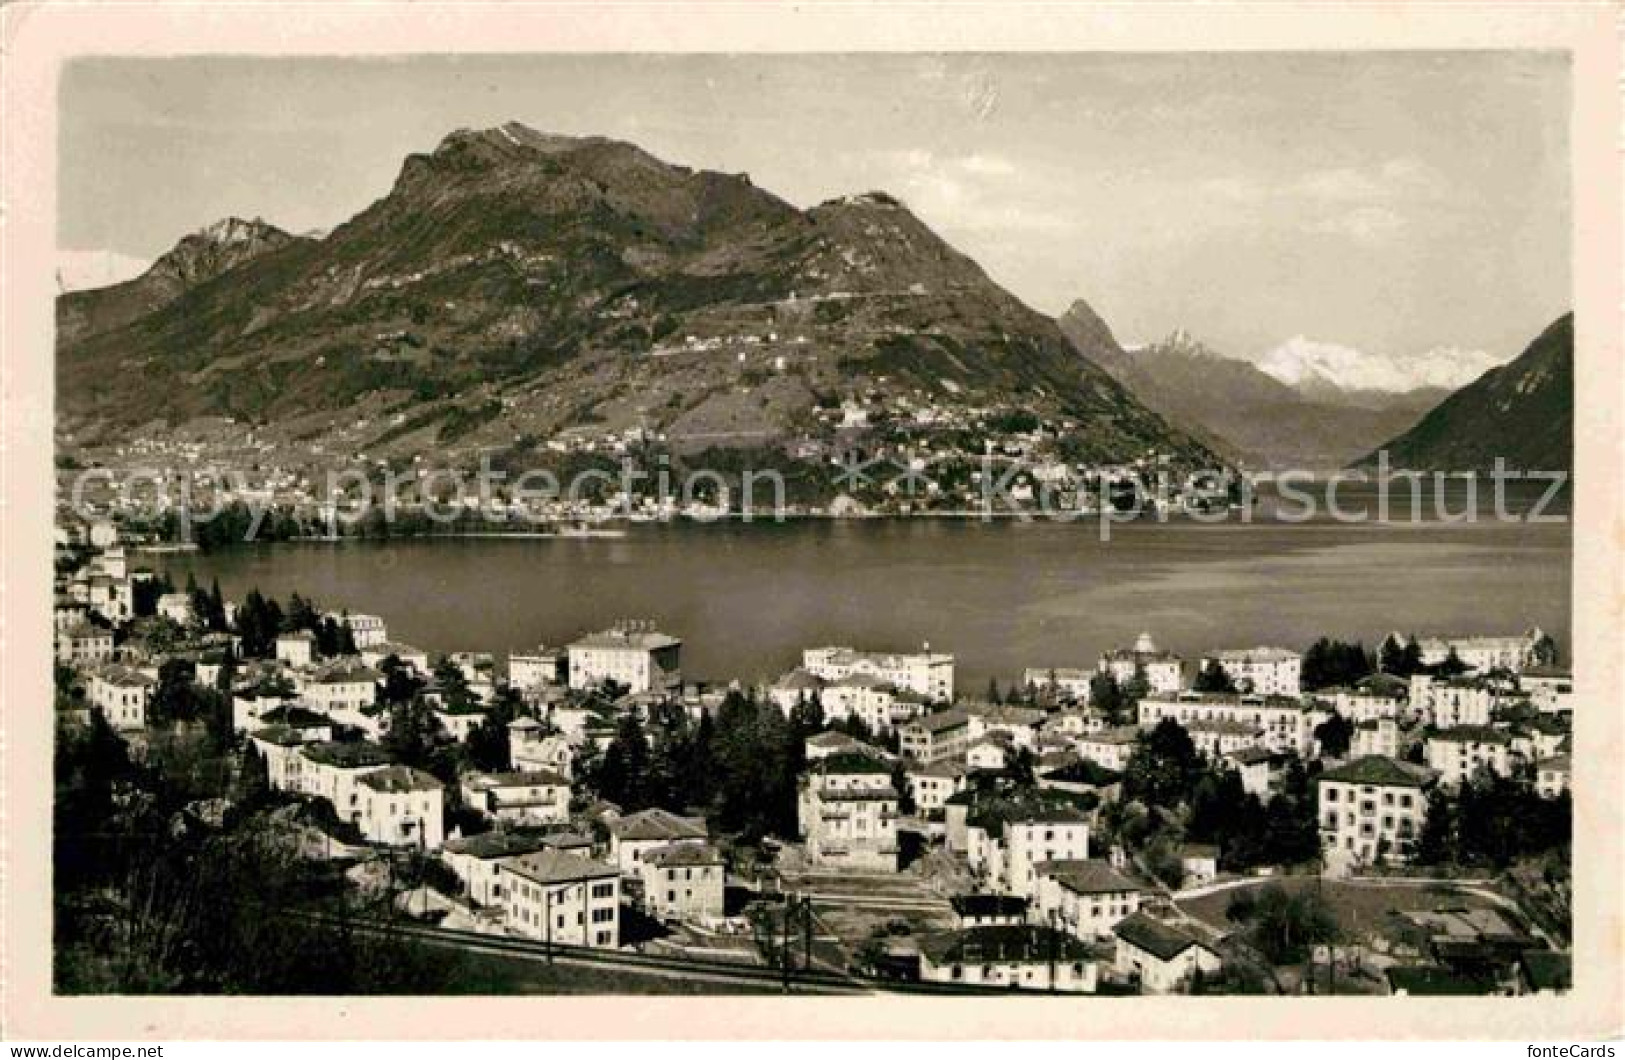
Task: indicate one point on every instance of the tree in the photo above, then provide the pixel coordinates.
(1436, 845)
(993, 695)
(1105, 696)
(1213, 679)
(1334, 735)
(1286, 924)
(413, 733)
(1163, 767)
(174, 698)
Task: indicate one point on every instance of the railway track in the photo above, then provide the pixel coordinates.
(690, 969)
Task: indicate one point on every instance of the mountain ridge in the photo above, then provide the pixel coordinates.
(521, 284)
(1522, 412)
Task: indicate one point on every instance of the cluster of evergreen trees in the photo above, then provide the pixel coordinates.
(260, 619)
(1172, 794)
(1491, 822)
(739, 771)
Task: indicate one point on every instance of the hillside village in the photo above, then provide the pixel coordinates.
(1259, 819)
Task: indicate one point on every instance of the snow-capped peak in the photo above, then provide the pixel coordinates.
(1307, 365)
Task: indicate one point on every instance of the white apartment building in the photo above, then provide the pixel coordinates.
(926, 673)
(642, 659)
(684, 881)
(1448, 703)
(1553, 776)
(84, 645)
(564, 899)
(1378, 736)
(1020, 957)
(1288, 724)
(1512, 652)
(931, 786)
(1004, 847)
(402, 806)
(1550, 690)
(297, 648)
(1109, 748)
(636, 834)
(1457, 754)
(847, 811)
(1163, 670)
(477, 861)
(941, 736)
(538, 669)
(1371, 807)
(1084, 898)
(122, 694)
(340, 686)
(367, 631)
(530, 797)
(1064, 683)
(177, 607)
(1158, 957)
(1262, 671)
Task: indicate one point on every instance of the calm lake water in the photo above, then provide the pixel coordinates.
(1001, 596)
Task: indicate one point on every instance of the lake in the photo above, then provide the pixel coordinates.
(1001, 596)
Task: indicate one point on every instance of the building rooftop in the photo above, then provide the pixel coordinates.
(680, 854)
(1250, 756)
(1086, 876)
(626, 640)
(1162, 941)
(396, 780)
(980, 905)
(942, 720)
(1004, 944)
(1254, 655)
(519, 778)
(657, 824)
(1472, 734)
(1380, 770)
(354, 755)
(547, 866)
(499, 844)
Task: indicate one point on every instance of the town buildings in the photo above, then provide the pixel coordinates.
(477, 861)
(528, 797)
(1371, 808)
(1026, 957)
(1458, 754)
(1083, 897)
(683, 881)
(847, 809)
(1162, 671)
(562, 899)
(644, 660)
(402, 806)
(925, 673)
(636, 834)
(122, 695)
(936, 737)
(1160, 958)
(1512, 652)
(1260, 671)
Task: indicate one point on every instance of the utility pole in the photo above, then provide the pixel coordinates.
(547, 921)
(806, 933)
(784, 948)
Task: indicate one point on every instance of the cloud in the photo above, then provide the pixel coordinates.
(82, 270)
(1308, 365)
(1367, 205)
(970, 192)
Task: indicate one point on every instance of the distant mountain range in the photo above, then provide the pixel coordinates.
(1522, 412)
(1242, 411)
(514, 284)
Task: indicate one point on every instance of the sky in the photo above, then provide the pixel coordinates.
(1391, 205)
